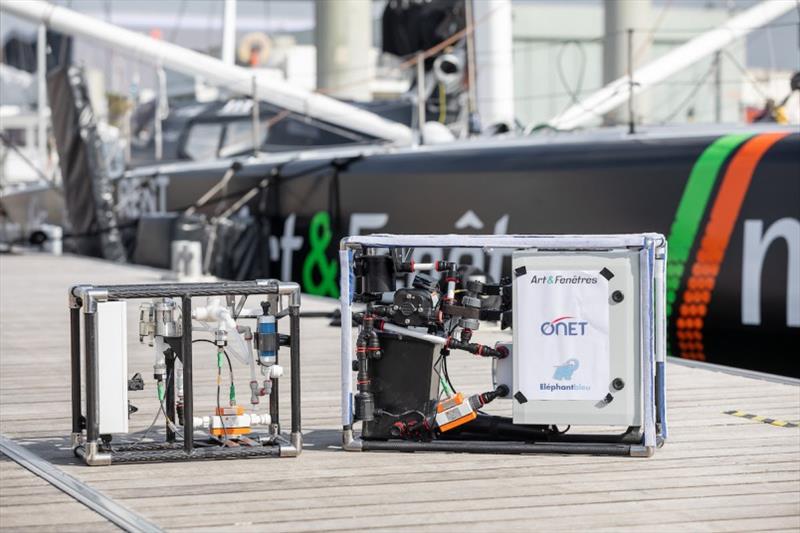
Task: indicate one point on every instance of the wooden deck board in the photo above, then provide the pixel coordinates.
(717, 472)
(17, 513)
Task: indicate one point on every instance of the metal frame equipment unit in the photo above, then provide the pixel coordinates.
(167, 322)
(582, 369)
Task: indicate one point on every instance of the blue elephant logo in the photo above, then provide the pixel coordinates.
(565, 371)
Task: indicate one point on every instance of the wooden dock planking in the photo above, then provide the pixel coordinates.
(717, 473)
(16, 512)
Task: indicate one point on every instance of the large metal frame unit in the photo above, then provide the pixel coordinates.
(86, 409)
(634, 328)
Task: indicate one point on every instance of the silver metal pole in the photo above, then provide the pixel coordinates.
(347, 336)
(421, 95)
(229, 32)
(631, 83)
(343, 37)
(256, 119)
(717, 87)
(128, 133)
(161, 96)
(41, 80)
(473, 100)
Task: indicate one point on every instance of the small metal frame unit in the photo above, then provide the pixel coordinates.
(646, 253)
(86, 437)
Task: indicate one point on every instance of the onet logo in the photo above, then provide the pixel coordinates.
(565, 326)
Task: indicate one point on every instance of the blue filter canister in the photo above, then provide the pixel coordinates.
(267, 334)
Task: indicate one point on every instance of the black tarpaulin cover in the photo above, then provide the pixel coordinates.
(88, 195)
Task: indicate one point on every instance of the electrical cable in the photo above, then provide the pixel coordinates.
(447, 374)
(149, 428)
(442, 382)
(161, 410)
(410, 411)
(219, 409)
(444, 362)
(573, 93)
(170, 423)
(219, 384)
(230, 367)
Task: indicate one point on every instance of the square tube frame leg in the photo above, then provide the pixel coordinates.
(75, 372)
(294, 349)
(188, 390)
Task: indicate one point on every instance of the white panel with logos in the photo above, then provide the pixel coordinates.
(112, 366)
(576, 356)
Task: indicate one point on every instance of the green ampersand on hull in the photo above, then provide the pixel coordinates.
(319, 237)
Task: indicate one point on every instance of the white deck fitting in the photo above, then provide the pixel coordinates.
(717, 472)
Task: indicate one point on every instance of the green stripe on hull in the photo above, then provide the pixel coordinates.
(692, 207)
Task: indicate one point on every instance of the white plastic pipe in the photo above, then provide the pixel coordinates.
(616, 92)
(253, 376)
(213, 70)
(433, 339)
(245, 420)
(494, 64)
(346, 355)
(41, 86)
(229, 32)
(215, 311)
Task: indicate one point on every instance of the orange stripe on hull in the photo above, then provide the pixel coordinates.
(716, 237)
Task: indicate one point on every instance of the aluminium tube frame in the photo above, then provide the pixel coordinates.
(85, 437)
(652, 249)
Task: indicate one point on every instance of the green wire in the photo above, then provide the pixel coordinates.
(160, 389)
(445, 386)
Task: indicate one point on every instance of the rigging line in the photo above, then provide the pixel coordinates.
(797, 4)
(698, 31)
(212, 11)
(648, 42)
(745, 74)
(691, 96)
(573, 93)
(173, 34)
(5, 140)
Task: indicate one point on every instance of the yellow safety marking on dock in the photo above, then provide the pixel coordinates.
(765, 420)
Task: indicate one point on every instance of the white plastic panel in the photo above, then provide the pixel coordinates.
(112, 362)
(572, 340)
(503, 369)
